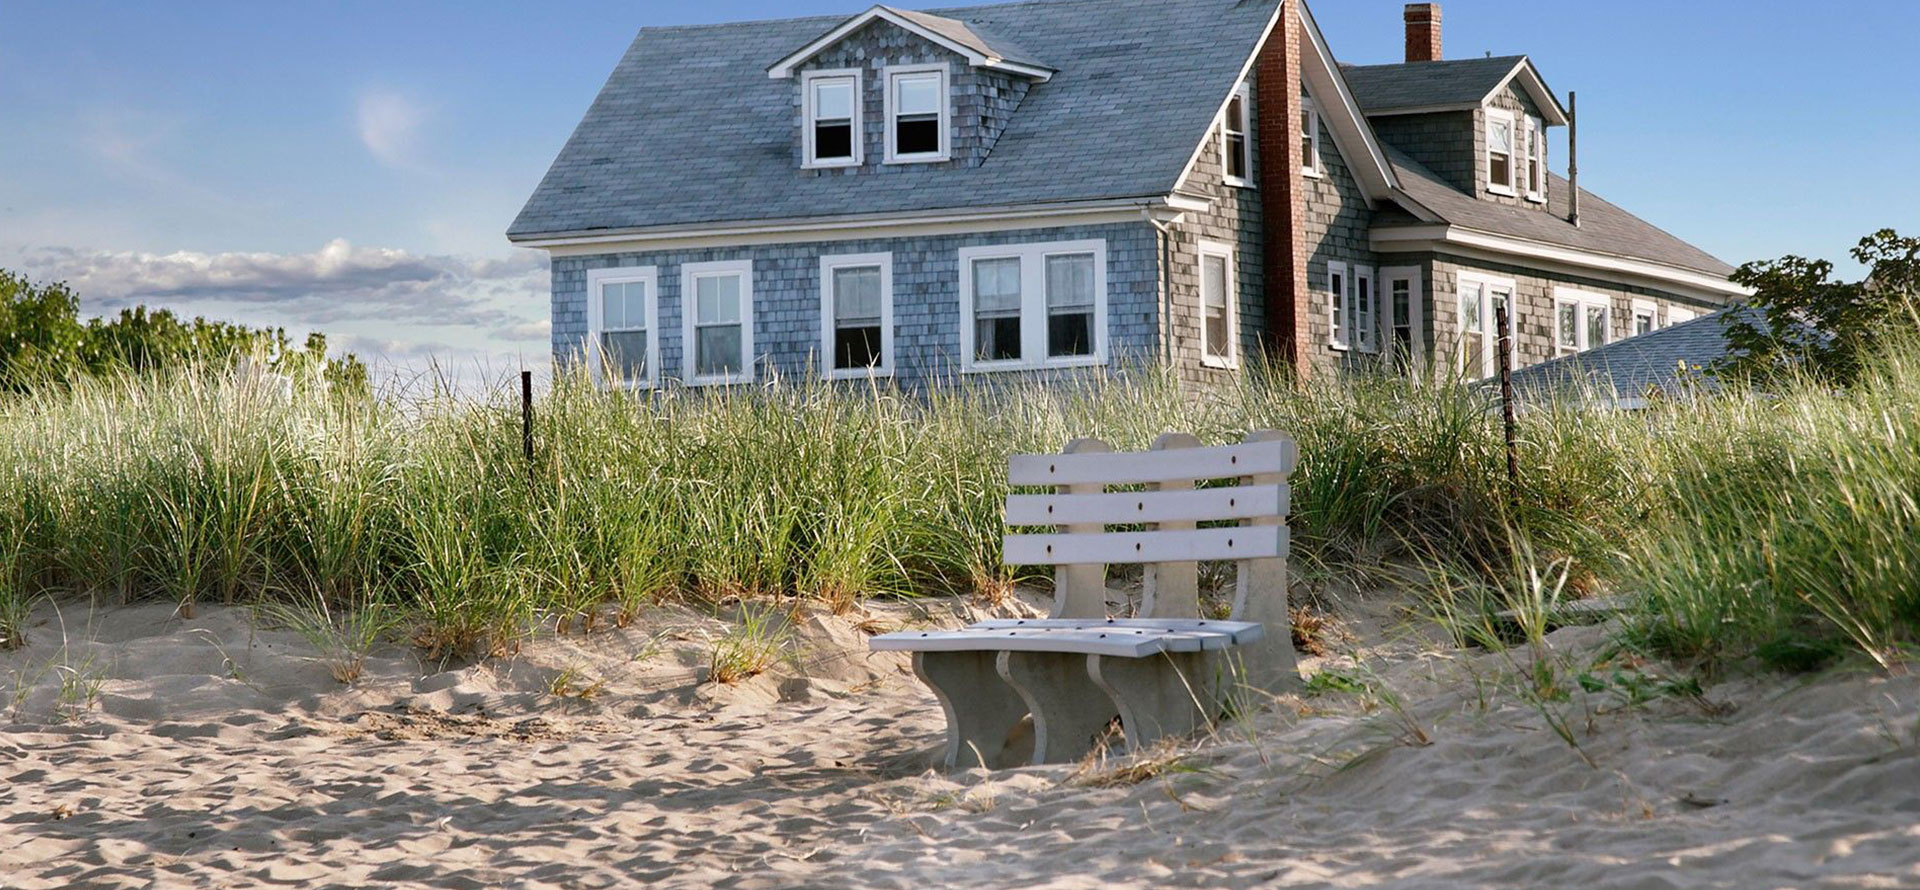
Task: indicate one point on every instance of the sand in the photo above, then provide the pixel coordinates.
(213, 752)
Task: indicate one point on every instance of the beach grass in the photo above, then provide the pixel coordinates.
(1781, 525)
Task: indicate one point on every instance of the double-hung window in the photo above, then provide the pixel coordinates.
(856, 314)
(1483, 299)
(1033, 305)
(1581, 320)
(1338, 297)
(1536, 160)
(1309, 137)
(832, 136)
(1646, 317)
(717, 321)
(1500, 154)
(1236, 143)
(1219, 321)
(623, 333)
(916, 105)
(1366, 316)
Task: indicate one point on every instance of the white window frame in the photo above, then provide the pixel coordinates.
(1310, 162)
(689, 273)
(1648, 308)
(1416, 310)
(1489, 333)
(596, 323)
(1677, 314)
(887, 77)
(1223, 251)
(1580, 301)
(827, 329)
(809, 160)
(1033, 304)
(1513, 155)
(1536, 160)
(1339, 306)
(1364, 309)
(1243, 92)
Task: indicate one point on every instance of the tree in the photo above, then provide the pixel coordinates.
(40, 332)
(1809, 323)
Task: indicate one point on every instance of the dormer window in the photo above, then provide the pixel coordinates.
(1309, 137)
(833, 112)
(916, 114)
(1536, 160)
(1236, 150)
(1500, 138)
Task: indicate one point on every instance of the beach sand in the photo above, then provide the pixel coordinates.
(140, 749)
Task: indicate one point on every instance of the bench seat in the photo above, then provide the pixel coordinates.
(1117, 637)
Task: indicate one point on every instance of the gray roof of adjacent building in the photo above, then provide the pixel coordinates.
(689, 129)
(1669, 362)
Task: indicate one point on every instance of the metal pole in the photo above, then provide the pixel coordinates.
(1506, 403)
(1573, 157)
(526, 419)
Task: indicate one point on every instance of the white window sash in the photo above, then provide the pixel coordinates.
(1231, 283)
(690, 274)
(1033, 305)
(1496, 117)
(1310, 158)
(829, 326)
(649, 277)
(1416, 310)
(1536, 160)
(1366, 310)
(1647, 309)
(810, 117)
(889, 100)
(1490, 288)
(1579, 301)
(1244, 130)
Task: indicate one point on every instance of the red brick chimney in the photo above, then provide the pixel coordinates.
(1283, 203)
(1423, 32)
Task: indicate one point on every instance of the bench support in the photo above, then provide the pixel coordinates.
(1070, 712)
(1170, 694)
(981, 709)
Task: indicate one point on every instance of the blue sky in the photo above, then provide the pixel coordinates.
(350, 166)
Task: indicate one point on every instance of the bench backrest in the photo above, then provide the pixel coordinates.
(1080, 508)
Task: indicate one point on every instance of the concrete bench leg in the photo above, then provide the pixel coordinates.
(1170, 694)
(981, 708)
(1070, 713)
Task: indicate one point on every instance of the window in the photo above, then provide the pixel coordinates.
(1581, 320)
(1500, 151)
(1536, 160)
(1406, 317)
(716, 321)
(1646, 317)
(1033, 305)
(856, 315)
(1366, 321)
(1679, 315)
(1337, 298)
(833, 113)
(1309, 137)
(917, 114)
(1236, 150)
(1219, 314)
(1482, 299)
(622, 334)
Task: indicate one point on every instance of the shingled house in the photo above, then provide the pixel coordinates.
(1071, 184)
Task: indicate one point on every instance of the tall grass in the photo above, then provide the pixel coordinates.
(1740, 519)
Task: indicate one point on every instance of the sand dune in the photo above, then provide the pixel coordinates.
(209, 752)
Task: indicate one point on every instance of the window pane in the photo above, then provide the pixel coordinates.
(717, 299)
(997, 338)
(1500, 137)
(856, 347)
(1642, 324)
(1565, 325)
(1470, 308)
(1236, 120)
(833, 141)
(1069, 282)
(916, 136)
(1402, 302)
(916, 94)
(625, 354)
(856, 295)
(1596, 326)
(716, 350)
(1236, 156)
(1070, 334)
(613, 306)
(1337, 285)
(832, 100)
(1213, 283)
(996, 286)
(1498, 170)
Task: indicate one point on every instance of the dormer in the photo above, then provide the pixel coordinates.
(1481, 124)
(893, 90)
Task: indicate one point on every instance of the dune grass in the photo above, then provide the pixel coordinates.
(1781, 525)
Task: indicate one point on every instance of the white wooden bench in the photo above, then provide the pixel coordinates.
(1166, 672)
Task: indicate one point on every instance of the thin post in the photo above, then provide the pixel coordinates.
(1573, 157)
(1506, 402)
(526, 420)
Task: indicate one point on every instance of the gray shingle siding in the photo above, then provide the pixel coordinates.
(1234, 220)
(1339, 218)
(1443, 142)
(786, 298)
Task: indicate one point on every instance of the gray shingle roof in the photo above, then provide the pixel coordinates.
(1381, 88)
(690, 130)
(971, 36)
(1669, 361)
(1604, 228)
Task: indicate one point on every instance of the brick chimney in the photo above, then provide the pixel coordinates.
(1423, 32)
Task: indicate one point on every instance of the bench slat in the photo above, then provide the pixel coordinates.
(1192, 545)
(1239, 633)
(1114, 508)
(1136, 467)
(1123, 643)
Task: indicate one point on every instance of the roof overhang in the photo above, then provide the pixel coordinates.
(1491, 246)
(1335, 102)
(785, 67)
(1152, 208)
(1543, 98)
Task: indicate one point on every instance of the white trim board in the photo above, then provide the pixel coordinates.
(784, 68)
(1476, 244)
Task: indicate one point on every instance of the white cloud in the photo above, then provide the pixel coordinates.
(389, 126)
